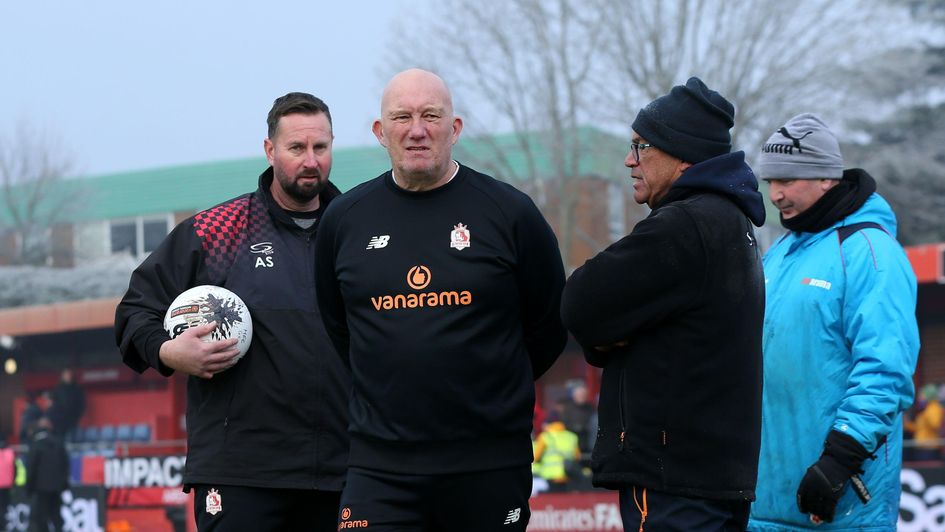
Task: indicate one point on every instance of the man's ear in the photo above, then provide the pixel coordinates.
(270, 149)
(457, 128)
(379, 132)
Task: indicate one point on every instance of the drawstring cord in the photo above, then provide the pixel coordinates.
(641, 509)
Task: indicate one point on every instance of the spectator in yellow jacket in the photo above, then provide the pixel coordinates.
(927, 426)
(556, 450)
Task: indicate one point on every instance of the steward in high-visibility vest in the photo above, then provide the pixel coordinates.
(20, 480)
(555, 446)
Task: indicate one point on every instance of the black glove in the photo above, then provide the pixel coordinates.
(823, 484)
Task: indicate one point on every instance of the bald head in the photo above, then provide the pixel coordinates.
(418, 128)
(415, 80)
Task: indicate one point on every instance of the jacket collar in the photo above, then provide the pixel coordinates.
(329, 193)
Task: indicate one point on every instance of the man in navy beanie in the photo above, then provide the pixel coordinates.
(673, 314)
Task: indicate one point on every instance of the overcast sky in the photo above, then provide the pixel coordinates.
(134, 85)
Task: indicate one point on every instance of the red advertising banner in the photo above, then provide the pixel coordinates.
(143, 481)
(575, 512)
(138, 497)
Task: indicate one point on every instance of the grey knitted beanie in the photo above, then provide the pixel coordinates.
(804, 148)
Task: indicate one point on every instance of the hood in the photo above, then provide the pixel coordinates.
(729, 176)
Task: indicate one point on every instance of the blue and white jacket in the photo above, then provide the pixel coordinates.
(840, 346)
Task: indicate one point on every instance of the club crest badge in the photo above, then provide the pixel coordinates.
(459, 237)
(214, 502)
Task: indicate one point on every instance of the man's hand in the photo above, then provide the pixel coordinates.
(191, 355)
(822, 486)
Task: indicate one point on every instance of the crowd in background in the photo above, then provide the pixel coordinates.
(924, 428)
(564, 436)
(49, 420)
(63, 406)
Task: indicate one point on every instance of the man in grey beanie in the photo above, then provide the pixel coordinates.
(840, 342)
(673, 314)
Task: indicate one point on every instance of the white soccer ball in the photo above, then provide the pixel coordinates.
(207, 303)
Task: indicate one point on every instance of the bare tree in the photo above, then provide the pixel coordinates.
(544, 69)
(902, 142)
(34, 196)
(771, 58)
(532, 65)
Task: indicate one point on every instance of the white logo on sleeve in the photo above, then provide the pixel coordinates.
(513, 517)
(378, 242)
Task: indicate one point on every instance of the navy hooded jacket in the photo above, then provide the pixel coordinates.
(680, 302)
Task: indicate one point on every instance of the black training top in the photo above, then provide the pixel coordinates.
(445, 303)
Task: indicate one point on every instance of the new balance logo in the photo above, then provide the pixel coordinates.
(378, 242)
(513, 516)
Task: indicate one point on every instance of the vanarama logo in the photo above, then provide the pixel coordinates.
(347, 522)
(418, 278)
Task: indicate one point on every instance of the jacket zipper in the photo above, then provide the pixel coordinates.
(310, 263)
(623, 424)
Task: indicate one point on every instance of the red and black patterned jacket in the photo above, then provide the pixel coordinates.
(278, 418)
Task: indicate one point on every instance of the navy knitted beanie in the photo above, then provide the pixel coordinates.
(691, 122)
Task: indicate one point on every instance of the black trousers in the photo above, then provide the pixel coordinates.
(220, 508)
(45, 509)
(672, 513)
(481, 501)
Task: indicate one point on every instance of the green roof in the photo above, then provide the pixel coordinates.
(198, 186)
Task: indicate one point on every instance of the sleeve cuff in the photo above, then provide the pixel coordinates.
(153, 352)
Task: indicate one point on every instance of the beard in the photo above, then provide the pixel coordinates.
(298, 192)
